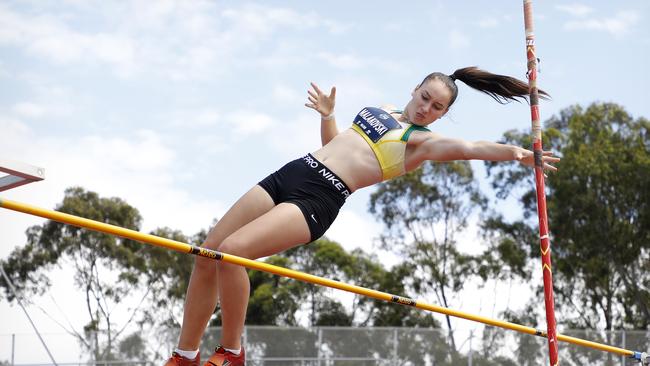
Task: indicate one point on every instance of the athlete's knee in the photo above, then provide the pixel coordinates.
(204, 265)
(213, 240)
(234, 245)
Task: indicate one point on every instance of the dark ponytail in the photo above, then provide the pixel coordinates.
(500, 87)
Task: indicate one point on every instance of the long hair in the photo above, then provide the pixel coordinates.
(501, 88)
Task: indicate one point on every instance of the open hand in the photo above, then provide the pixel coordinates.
(321, 102)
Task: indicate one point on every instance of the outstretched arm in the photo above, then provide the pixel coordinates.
(439, 148)
(324, 104)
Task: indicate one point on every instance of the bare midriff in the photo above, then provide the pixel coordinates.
(349, 156)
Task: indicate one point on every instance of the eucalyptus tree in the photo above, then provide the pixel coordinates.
(598, 211)
(126, 286)
(424, 212)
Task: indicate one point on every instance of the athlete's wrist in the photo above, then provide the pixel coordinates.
(327, 117)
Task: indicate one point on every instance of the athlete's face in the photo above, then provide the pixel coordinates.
(429, 102)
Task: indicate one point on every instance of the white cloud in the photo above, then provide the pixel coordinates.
(211, 144)
(51, 38)
(262, 20)
(188, 17)
(495, 21)
(144, 152)
(335, 27)
(458, 39)
(355, 62)
(29, 110)
(579, 10)
(12, 130)
(491, 22)
(304, 136)
(231, 126)
(180, 40)
(140, 169)
(287, 95)
(206, 117)
(246, 123)
(346, 62)
(57, 106)
(11, 25)
(257, 20)
(194, 118)
(355, 92)
(618, 25)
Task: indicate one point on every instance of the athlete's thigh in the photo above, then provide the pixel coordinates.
(281, 228)
(250, 206)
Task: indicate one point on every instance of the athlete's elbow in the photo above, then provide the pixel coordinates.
(466, 151)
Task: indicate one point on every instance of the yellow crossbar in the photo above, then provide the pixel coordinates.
(192, 249)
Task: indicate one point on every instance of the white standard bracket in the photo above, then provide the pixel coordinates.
(642, 357)
(18, 174)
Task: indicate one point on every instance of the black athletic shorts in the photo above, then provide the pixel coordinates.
(311, 186)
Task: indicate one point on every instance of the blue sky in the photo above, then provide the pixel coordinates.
(179, 107)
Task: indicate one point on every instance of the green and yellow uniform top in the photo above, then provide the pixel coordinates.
(387, 138)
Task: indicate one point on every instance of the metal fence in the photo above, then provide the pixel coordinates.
(337, 346)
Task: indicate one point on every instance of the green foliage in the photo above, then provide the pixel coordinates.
(332, 313)
(48, 244)
(166, 276)
(133, 347)
(423, 212)
(274, 300)
(599, 214)
(510, 245)
(277, 300)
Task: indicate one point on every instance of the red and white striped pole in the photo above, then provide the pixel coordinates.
(545, 243)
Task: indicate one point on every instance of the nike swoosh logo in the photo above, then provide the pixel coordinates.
(313, 218)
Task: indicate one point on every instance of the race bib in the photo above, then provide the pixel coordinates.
(375, 122)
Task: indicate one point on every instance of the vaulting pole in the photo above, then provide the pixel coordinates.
(545, 243)
(260, 266)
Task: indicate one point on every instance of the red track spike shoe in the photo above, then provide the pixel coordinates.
(178, 360)
(221, 357)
